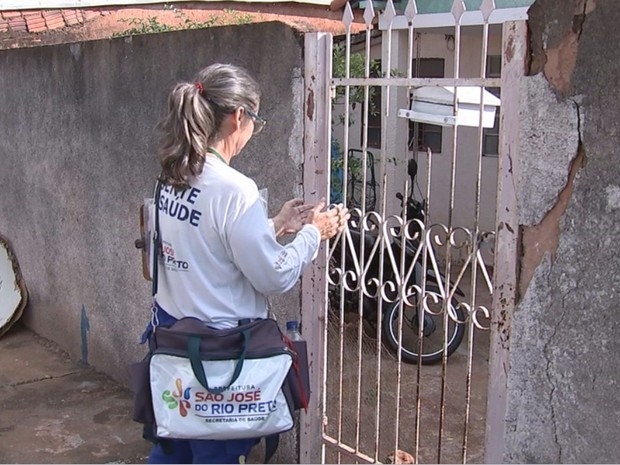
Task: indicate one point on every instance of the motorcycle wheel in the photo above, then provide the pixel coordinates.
(432, 344)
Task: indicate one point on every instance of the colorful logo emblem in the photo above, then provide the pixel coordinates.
(178, 398)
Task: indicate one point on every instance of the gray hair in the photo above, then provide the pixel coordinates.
(195, 113)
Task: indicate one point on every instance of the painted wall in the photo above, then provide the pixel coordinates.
(434, 45)
(77, 158)
(562, 397)
(444, 6)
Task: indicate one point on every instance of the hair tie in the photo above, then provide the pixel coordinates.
(199, 87)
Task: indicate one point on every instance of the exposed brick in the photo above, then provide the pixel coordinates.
(18, 23)
(54, 19)
(35, 22)
(71, 17)
(4, 25)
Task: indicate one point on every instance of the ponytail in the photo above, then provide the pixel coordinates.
(186, 131)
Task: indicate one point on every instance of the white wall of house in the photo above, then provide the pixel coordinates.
(434, 44)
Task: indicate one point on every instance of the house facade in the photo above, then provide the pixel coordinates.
(433, 56)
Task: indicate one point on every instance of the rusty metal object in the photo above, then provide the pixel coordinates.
(401, 457)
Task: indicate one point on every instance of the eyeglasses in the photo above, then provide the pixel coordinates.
(259, 121)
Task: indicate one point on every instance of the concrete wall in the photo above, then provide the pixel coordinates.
(77, 158)
(563, 405)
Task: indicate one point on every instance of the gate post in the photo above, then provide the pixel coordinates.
(317, 137)
(507, 238)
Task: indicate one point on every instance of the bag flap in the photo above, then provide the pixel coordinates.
(265, 337)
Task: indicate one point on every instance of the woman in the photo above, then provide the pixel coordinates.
(220, 258)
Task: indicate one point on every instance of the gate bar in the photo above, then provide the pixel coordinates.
(317, 134)
(515, 54)
(417, 82)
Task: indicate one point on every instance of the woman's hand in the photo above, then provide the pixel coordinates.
(292, 216)
(331, 221)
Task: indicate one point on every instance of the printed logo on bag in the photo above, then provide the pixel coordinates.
(178, 398)
(253, 406)
(170, 260)
(235, 404)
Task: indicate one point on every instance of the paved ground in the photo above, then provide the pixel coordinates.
(57, 411)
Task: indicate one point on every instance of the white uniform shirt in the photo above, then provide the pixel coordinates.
(220, 255)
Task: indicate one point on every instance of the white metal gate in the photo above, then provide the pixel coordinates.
(413, 274)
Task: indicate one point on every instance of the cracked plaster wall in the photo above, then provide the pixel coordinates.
(564, 364)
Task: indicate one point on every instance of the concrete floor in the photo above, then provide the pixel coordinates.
(57, 411)
(54, 410)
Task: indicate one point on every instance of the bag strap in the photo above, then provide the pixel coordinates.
(156, 238)
(296, 369)
(193, 350)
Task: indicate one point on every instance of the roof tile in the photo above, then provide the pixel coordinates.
(54, 19)
(71, 17)
(17, 23)
(11, 14)
(35, 22)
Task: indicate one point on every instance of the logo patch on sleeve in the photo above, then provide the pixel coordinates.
(280, 260)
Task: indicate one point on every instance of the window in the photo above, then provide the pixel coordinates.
(374, 111)
(428, 135)
(428, 67)
(490, 136)
(374, 117)
(494, 66)
(425, 135)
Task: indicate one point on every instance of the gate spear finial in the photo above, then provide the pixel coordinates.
(411, 10)
(458, 8)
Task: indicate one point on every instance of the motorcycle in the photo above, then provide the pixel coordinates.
(420, 333)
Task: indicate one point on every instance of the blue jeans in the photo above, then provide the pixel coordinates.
(194, 450)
